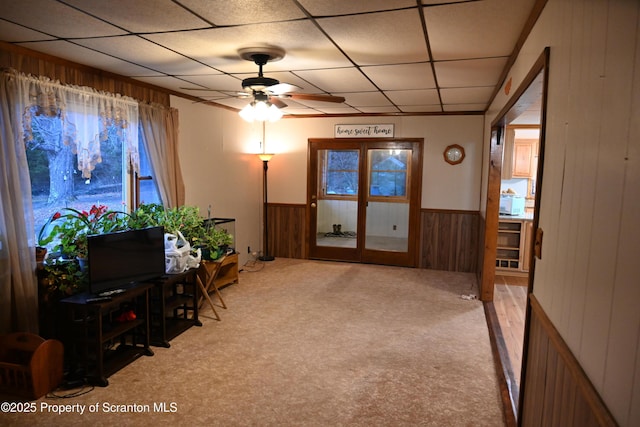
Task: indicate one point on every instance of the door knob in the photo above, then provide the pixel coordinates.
(313, 205)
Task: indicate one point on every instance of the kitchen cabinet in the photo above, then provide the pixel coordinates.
(523, 158)
(514, 238)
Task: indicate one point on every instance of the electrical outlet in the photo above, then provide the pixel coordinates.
(395, 227)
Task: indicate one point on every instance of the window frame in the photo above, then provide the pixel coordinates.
(322, 178)
(388, 199)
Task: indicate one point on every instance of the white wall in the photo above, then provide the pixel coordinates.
(588, 280)
(220, 169)
(443, 186)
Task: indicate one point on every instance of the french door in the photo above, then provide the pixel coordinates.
(363, 200)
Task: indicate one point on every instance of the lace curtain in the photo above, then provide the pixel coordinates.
(84, 114)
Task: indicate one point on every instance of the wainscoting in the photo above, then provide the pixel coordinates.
(557, 392)
(287, 230)
(448, 239)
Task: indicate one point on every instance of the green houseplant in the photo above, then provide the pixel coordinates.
(212, 240)
(63, 272)
(60, 278)
(68, 229)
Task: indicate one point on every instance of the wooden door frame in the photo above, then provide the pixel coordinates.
(509, 112)
(495, 176)
(412, 256)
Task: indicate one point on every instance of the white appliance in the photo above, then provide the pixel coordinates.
(511, 205)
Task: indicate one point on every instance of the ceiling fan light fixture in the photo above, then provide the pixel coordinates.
(261, 111)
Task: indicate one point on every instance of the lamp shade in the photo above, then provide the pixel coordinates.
(265, 157)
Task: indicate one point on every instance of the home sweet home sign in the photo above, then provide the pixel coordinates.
(364, 131)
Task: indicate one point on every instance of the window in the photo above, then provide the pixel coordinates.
(56, 181)
(146, 190)
(339, 174)
(389, 174)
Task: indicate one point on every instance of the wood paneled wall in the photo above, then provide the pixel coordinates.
(287, 230)
(31, 62)
(557, 392)
(449, 240)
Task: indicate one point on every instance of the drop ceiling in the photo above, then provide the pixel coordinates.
(382, 56)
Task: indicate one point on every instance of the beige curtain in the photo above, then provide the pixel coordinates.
(18, 285)
(159, 126)
(84, 114)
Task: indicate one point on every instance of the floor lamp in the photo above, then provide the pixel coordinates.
(265, 166)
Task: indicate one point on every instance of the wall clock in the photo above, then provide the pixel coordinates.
(454, 154)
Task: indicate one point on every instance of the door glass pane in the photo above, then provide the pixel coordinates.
(388, 202)
(388, 173)
(337, 205)
(341, 172)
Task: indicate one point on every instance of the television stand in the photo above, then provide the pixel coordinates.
(111, 292)
(102, 337)
(174, 306)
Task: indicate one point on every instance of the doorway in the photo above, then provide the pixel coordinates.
(364, 198)
(510, 241)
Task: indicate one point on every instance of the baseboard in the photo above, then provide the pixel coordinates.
(506, 378)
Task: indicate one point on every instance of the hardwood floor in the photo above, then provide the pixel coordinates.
(510, 299)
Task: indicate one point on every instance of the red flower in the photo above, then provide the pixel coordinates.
(56, 215)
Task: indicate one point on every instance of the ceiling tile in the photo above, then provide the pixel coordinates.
(389, 109)
(305, 46)
(195, 82)
(141, 15)
(474, 72)
(464, 107)
(360, 99)
(68, 22)
(328, 109)
(472, 95)
(337, 80)
(341, 7)
(14, 33)
(379, 38)
(372, 52)
(239, 12)
(82, 55)
(433, 108)
(218, 82)
(413, 97)
(475, 29)
(139, 51)
(398, 77)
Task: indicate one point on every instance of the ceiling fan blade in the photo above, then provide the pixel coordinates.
(311, 97)
(282, 88)
(277, 102)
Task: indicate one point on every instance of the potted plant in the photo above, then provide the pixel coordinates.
(212, 240)
(59, 278)
(68, 229)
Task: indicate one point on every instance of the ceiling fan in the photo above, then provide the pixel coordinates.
(269, 90)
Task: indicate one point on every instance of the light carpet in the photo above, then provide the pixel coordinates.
(312, 343)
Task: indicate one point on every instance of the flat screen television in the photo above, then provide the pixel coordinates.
(122, 259)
